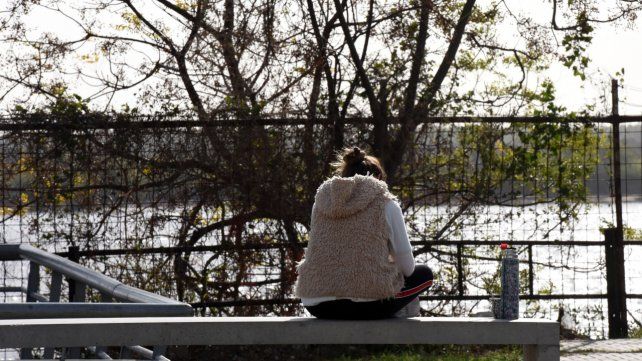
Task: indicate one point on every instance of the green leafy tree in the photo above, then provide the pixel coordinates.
(240, 182)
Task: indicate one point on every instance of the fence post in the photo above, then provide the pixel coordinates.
(33, 284)
(615, 145)
(56, 287)
(614, 237)
(460, 271)
(73, 253)
(76, 294)
(531, 276)
(54, 296)
(33, 287)
(615, 283)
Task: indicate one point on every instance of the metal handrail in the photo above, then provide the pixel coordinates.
(91, 278)
(136, 302)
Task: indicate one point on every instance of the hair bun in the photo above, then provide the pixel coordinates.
(354, 155)
(352, 161)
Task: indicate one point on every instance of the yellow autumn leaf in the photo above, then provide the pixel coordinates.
(182, 4)
(90, 58)
(60, 198)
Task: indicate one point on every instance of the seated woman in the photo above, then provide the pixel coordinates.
(359, 262)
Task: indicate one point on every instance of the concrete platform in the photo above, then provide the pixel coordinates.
(539, 337)
(602, 350)
(603, 356)
(629, 345)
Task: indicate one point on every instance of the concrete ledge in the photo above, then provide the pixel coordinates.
(273, 330)
(42, 310)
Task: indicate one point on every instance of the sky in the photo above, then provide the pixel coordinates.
(613, 48)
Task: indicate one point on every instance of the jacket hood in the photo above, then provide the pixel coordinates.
(340, 197)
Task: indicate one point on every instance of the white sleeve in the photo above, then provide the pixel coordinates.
(401, 248)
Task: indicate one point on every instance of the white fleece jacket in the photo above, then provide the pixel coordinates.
(350, 253)
(400, 247)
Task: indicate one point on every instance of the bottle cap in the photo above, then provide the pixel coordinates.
(511, 252)
(503, 245)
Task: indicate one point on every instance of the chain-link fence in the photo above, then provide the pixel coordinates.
(216, 213)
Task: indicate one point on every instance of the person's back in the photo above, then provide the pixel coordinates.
(358, 255)
(347, 254)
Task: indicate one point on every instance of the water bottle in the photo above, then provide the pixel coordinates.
(510, 284)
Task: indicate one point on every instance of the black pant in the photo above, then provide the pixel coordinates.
(345, 309)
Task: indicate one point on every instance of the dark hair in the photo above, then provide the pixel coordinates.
(353, 161)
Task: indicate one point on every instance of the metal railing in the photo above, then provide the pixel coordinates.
(177, 205)
(117, 299)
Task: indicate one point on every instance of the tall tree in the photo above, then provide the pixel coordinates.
(326, 61)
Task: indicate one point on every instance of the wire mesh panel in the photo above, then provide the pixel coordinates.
(217, 214)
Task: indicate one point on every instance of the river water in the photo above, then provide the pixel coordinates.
(558, 269)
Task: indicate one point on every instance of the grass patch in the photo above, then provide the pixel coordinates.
(348, 353)
(454, 353)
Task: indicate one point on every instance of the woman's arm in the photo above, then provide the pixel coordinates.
(401, 248)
